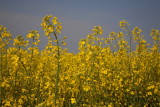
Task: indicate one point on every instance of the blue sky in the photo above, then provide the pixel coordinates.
(79, 16)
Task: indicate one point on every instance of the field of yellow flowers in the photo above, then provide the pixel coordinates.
(108, 71)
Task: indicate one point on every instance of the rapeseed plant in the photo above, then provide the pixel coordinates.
(107, 71)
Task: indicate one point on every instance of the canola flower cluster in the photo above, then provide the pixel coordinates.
(108, 71)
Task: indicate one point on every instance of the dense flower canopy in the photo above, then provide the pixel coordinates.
(107, 71)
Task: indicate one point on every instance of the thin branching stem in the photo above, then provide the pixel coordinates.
(58, 69)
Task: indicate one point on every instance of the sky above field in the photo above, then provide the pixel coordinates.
(79, 16)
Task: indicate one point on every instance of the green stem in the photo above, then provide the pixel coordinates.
(58, 69)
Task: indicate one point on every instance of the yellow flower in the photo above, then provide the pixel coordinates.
(124, 25)
(20, 101)
(47, 33)
(104, 72)
(64, 37)
(120, 34)
(24, 90)
(73, 100)
(136, 71)
(149, 93)
(110, 105)
(8, 103)
(58, 28)
(55, 20)
(30, 35)
(132, 92)
(86, 88)
(150, 87)
(98, 30)
(155, 91)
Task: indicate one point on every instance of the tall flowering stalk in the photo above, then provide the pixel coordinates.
(52, 27)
